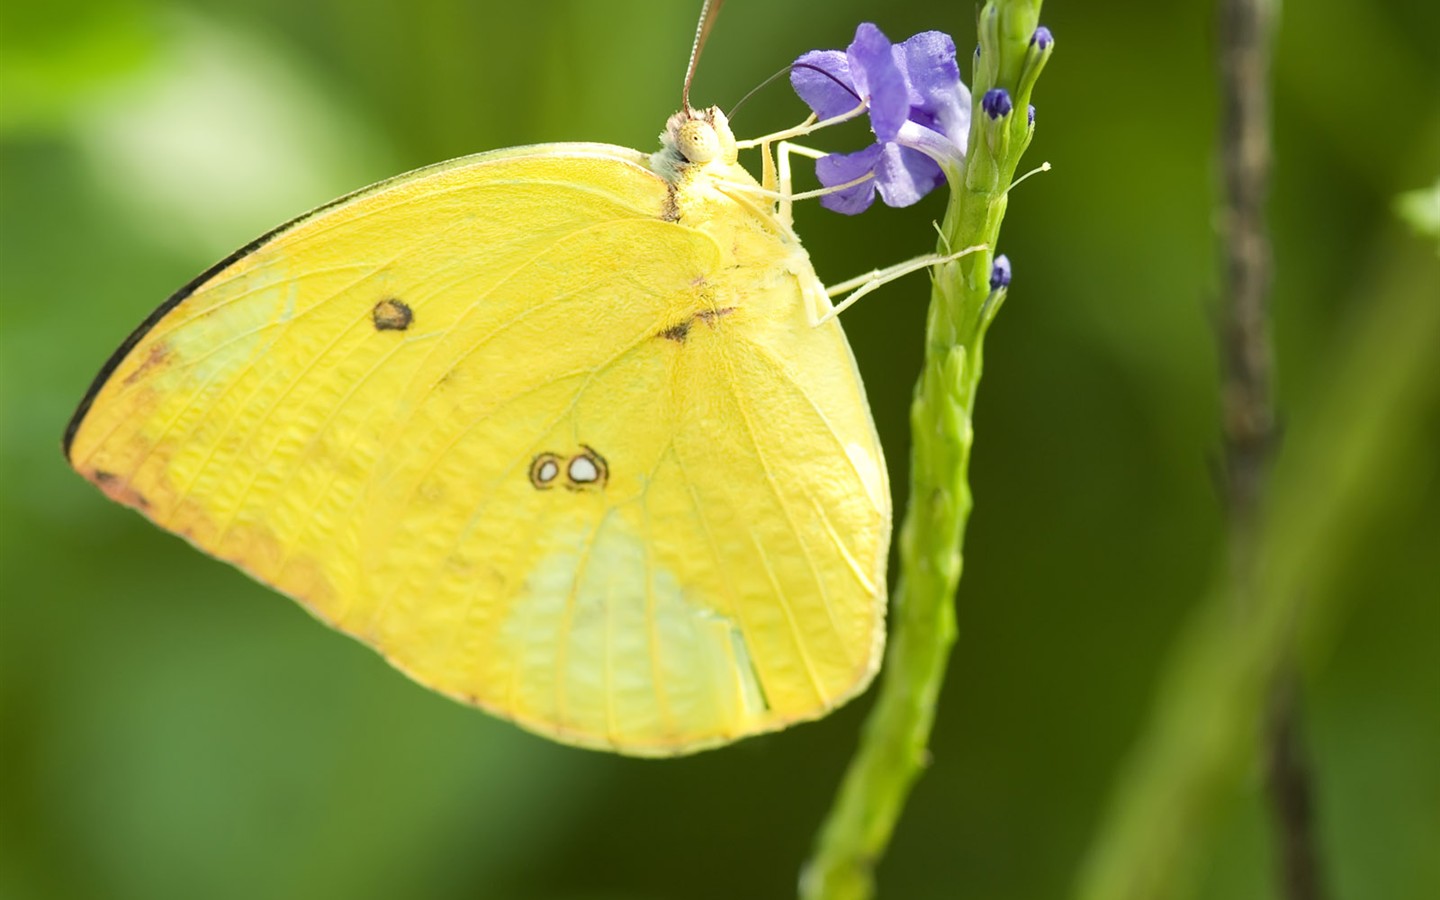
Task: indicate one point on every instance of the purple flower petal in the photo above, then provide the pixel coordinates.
(903, 175)
(930, 142)
(879, 80)
(828, 92)
(928, 61)
(838, 168)
(919, 109)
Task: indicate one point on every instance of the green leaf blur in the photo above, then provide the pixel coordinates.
(169, 729)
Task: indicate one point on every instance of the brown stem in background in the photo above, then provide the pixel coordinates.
(1247, 406)
(1247, 402)
(1287, 779)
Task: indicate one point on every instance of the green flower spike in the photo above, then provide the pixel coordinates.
(1013, 50)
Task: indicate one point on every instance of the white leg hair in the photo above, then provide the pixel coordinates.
(861, 285)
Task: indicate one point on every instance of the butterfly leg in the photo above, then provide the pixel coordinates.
(776, 177)
(768, 179)
(786, 200)
(861, 285)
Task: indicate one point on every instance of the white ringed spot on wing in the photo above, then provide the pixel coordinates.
(543, 471)
(585, 470)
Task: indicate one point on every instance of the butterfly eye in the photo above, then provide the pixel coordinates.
(697, 141)
(543, 471)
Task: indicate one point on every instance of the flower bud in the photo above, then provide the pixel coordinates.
(996, 103)
(1000, 273)
(1042, 44)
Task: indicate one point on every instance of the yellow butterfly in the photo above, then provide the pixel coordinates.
(565, 432)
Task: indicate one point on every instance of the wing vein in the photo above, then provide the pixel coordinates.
(790, 520)
(764, 355)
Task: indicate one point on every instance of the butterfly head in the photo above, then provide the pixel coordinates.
(698, 138)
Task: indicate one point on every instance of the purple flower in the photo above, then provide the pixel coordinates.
(1042, 38)
(1000, 273)
(919, 111)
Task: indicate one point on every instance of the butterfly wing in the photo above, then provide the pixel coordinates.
(511, 424)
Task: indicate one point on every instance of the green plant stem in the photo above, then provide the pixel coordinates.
(893, 751)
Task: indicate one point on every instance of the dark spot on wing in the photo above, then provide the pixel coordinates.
(681, 330)
(392, 315)
(118, 489)
(158, 356)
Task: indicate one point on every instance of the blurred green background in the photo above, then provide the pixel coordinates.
(170, 729)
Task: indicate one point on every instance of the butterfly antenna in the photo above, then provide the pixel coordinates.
(840, 84)
(708, 13)
(786, 71)
(755, 90)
